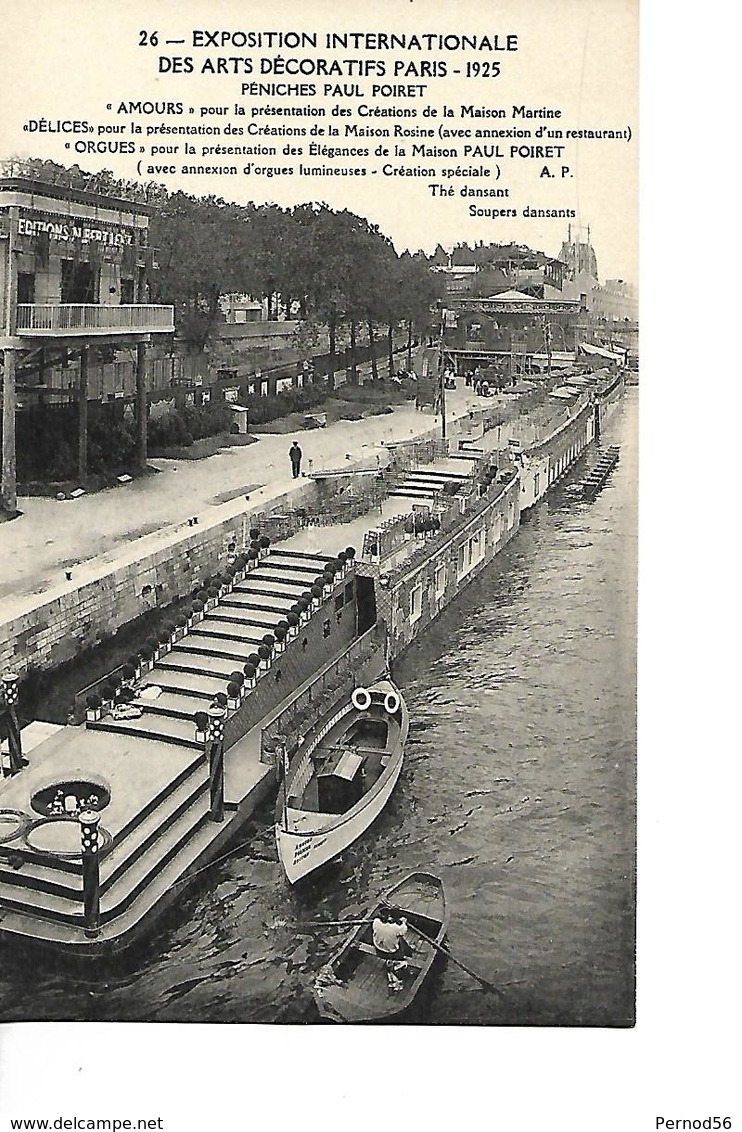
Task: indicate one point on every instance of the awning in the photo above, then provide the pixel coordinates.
(600, 352)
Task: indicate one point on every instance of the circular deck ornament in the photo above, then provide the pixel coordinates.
(13, 823)
(361, 699)
(392, 703)
(60, 837)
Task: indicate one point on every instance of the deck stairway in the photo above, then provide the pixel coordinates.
(36, 885)
(199, 664)
(40, 892)
(427, 484)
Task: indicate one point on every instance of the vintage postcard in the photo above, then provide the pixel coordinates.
(321, 373)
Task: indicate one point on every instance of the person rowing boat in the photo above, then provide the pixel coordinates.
(389, 936)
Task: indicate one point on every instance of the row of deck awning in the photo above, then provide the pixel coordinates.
(588, 350)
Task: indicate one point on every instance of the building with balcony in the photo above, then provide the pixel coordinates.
(507, 331)
(73, 277)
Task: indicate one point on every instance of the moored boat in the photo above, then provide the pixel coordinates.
(353, 986)
(340, 779)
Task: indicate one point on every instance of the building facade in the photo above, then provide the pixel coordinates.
(73, 276)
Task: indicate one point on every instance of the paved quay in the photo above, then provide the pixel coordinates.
(101, 529)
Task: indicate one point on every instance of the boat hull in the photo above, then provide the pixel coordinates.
(301, 852)
(353, 985)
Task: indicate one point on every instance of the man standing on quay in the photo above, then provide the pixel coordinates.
(295, 454)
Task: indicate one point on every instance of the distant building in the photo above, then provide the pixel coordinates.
(73, 275)
(490, 270)
(610, 305)
(510, 329)
(241, 308)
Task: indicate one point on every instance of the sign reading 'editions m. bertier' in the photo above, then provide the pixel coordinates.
(65, 229)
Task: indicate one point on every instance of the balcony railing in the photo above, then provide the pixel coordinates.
(83, 318)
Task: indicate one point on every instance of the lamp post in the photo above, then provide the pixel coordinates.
(89, 820)
(10, 682)
(215, 753)
(441, 372)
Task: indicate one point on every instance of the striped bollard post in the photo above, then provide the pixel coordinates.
(90, 871)
(215, 751)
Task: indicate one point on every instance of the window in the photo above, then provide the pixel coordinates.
(79, 282)
(471, 552)
(416, 603)
(326, 627)
(26, 286)
(511, 514)
(127, 292)
(440, 582)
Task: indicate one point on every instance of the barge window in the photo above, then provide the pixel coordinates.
(416, 603)
(440, 581)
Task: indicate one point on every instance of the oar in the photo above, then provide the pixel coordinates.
(447, 953)
(324, 923)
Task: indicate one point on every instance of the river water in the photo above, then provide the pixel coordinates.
(518, 789)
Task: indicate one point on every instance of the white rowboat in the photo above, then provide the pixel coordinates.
(340, 779)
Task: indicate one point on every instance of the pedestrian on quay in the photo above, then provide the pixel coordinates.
(295, 455)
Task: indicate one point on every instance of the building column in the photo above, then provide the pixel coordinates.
(140, 410)
(42, 375)
(82, 419)
(8, 496)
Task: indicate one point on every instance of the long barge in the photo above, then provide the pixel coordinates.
(101, 831)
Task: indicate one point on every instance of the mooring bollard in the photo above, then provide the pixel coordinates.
(89, 820)
(215, 752)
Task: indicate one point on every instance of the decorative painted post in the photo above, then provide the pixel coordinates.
(293, 619)
(89, 820)
(10, 696)
(215, 752)
(201, 721)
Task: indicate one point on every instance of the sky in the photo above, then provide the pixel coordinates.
(70, 59)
